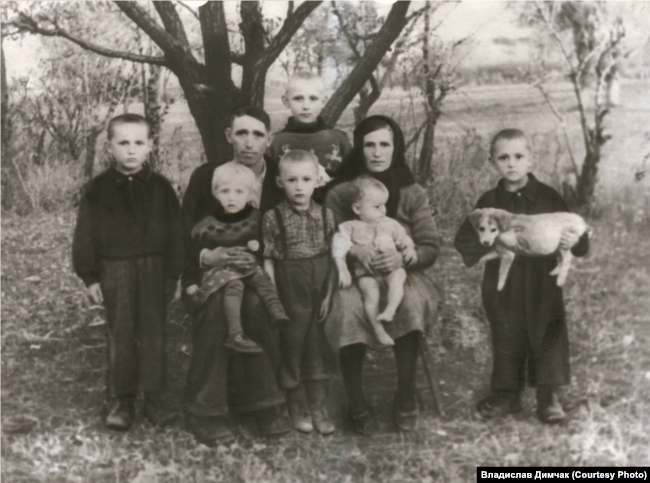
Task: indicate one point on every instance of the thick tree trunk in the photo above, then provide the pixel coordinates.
(91, 143)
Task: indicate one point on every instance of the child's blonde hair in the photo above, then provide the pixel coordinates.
(300, 156)
(233, 171)
(361, 185)
(304, 75)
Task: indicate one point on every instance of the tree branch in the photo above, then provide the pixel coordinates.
(25, 23)
(172, 22)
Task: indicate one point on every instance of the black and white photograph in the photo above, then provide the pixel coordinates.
(324, 241)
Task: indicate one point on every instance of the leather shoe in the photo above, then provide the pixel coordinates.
(209, 430)
(404, 420)
(157, 412)
(363, 424)
(120, 413)
(549, 410)
(272, 421)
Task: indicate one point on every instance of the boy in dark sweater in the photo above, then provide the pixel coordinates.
(127, 249)
(305, 129)
(527, 318)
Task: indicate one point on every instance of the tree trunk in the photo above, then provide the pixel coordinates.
(6, 122)
(89, 162)
(153, 110)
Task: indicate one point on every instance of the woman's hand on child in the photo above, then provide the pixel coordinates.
(234, 257)
(387, 262)
(192, 289)
(95, 294)
(568, 239)
(410, 256)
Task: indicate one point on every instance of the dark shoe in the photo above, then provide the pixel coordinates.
(363, 424)
(280, 321)
(120, 413)
(404, 420)
(157, 412)
(549, 410)
(297, 406)
(241, 343)
(272, 421)
(209, 430)
(498, 405)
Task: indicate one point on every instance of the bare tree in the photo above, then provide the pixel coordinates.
(208, 86)
(591, 51)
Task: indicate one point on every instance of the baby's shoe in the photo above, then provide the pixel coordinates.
(549, 410)
(157, 412)
(121, 411)
(498, 405)
(241, 343)
(296, 404)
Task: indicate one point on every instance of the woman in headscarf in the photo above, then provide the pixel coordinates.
(379, 151)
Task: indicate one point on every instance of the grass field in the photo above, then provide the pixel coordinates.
(53, 342)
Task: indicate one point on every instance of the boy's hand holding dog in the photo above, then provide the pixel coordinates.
(568, 239)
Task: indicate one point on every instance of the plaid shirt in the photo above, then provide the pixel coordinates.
(303, 229)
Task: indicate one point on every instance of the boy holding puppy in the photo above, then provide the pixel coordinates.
(527, 318)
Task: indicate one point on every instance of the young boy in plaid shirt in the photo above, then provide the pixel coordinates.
(297, 234)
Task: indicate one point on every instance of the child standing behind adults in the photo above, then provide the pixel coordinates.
(127, 249)
(297, 234)
(305, 98)
(527, 318)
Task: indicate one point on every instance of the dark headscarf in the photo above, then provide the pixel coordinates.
(394, 178)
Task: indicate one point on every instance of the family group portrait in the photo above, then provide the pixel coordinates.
(323, 241)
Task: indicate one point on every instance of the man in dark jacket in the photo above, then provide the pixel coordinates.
(220, 381)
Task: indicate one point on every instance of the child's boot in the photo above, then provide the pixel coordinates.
(317, 394)
(549, 410)
(157, 412)
(297, 406)
(240, 343)
(121, 411)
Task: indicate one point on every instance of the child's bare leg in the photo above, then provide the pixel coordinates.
(369, 288)
(395, 280)
(232, 300)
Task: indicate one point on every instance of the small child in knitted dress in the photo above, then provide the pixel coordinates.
(235, 224)
(377, 233)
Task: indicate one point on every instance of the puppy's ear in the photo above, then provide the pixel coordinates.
(475, 216)
(503, 219)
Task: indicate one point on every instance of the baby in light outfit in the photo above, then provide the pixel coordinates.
(377, 233)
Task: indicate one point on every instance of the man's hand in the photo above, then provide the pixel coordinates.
(345, 279)
(568, 239)
(95, 294)
(192, 289)
(387, 262)
(363, 256)
(236, 258)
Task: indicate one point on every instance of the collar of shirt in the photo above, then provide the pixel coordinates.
(120, 178)
(529, 191)
(313, 211)
(256, 192)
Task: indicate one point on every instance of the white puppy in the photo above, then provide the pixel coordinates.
(528, 235)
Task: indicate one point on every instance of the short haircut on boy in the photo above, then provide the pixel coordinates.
(361, 185)
(232, 171)
(254, 112)
(508, 135)
(303, 75)
(298, 156)
(128, 118)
